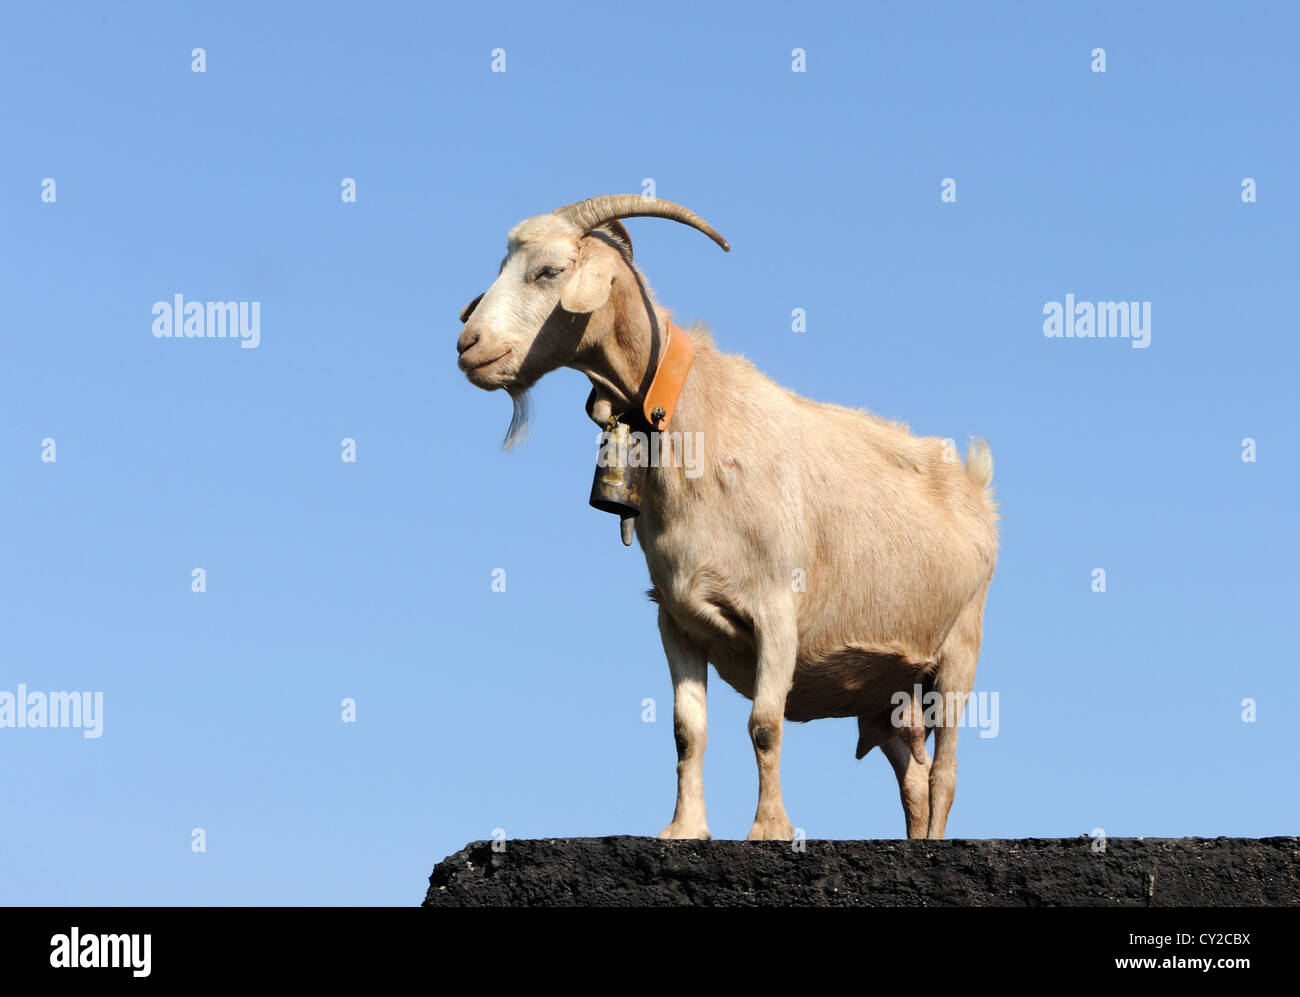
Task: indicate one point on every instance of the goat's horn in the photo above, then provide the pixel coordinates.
(595, 211)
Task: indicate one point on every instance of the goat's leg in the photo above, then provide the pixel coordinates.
(906, 753)
(777, 648)
(690, 671)
(953, 681)
(943, 775)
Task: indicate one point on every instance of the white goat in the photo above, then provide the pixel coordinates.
(827, 562)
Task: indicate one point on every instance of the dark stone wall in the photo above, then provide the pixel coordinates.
(638, 872)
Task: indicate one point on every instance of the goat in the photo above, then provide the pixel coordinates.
(826, 562)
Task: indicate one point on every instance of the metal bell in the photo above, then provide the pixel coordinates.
(618, 484)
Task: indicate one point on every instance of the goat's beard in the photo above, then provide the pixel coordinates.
(518, 430)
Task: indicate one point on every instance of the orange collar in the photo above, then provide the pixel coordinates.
(666, 388)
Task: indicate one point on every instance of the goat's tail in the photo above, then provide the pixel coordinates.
(979, 468)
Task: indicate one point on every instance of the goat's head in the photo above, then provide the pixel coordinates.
(548, 306)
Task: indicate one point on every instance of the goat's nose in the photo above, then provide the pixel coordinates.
(467, 340)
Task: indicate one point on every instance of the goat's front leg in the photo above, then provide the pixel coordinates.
(690, 671)
(778, 645)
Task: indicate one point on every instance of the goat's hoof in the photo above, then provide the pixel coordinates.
(677, 830)
(778, 829)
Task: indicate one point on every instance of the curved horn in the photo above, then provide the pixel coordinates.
(595, 211)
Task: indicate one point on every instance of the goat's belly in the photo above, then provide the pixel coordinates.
(736, 668)
(850, 681)
(848, 684)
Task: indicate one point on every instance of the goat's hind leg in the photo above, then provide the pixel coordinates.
(952, 681)
(906, 753)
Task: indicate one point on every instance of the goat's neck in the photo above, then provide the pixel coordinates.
(619, 368)
(620, 373)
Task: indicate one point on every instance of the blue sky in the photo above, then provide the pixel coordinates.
(372, 580)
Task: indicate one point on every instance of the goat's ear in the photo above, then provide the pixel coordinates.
(468, 310)
(616, 229)
(588, 288)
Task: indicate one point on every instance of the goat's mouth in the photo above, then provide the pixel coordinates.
(480, 373)
(488, 363)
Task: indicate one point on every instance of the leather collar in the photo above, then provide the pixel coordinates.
(665, 390)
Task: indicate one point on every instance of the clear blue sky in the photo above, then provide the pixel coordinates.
(372, 580)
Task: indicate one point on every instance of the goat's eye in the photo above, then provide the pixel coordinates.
(546, 273)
